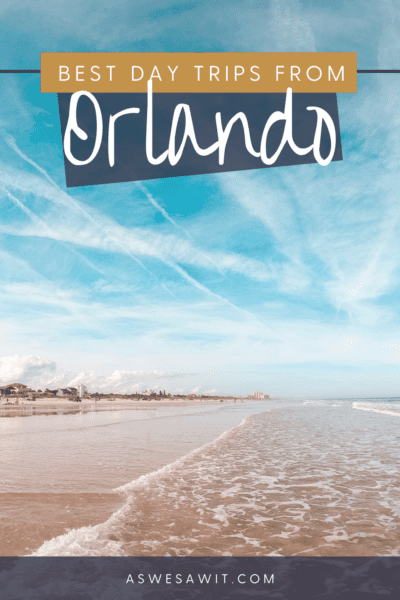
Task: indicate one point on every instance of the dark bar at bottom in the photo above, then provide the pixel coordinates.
(174, 578)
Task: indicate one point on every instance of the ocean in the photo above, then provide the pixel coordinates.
(288, 477)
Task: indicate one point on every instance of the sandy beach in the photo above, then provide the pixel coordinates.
(51, 405)
(61, 460)
(200, 478)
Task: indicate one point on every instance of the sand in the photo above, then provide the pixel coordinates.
(26, 520)
(52, 404)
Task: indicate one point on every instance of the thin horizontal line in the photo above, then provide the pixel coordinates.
(19, 70)
(378, 71)
(358, 71)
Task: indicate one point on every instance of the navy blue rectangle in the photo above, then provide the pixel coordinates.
(131, 162)
(294, 578)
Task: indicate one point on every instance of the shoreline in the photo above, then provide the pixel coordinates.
(86, 404)
(55, 515)
(57, 512)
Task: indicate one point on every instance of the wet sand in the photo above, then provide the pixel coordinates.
(308, 480)
(166, 529)
(58, 470)
(28, 519)
(277, 479)
(62, 405)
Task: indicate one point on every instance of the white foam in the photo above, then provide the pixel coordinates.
(260, 489)
(378, 408)
(93, 540)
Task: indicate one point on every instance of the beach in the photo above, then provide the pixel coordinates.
(263, 478)
(52, 402)
(61, 460)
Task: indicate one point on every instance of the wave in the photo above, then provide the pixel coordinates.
(300, 480)
(378, 407)
(95, 540)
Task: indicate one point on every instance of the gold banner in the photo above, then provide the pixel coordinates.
(200, 72)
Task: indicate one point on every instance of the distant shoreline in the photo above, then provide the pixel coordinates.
(51, 403)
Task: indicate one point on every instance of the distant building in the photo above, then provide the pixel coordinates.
(82, 389)
(66, 391)
(19, 387)
(5, 390)
(14, 388)
(260, 396)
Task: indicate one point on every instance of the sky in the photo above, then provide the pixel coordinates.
(284, 280)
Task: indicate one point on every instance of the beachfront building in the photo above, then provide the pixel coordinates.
(6, 390)
(82, 389)
(50, 392)
(260, 396)
(14, 388)
(66, 391)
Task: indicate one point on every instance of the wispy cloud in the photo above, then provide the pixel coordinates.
(87, 227)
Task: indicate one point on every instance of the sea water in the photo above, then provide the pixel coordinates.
(58, 469)
(272, 478)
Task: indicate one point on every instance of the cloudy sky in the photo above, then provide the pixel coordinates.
(284, 280)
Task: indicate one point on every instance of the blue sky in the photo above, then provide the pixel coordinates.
(284, 280)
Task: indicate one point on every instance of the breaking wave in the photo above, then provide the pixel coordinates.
(299, 480)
